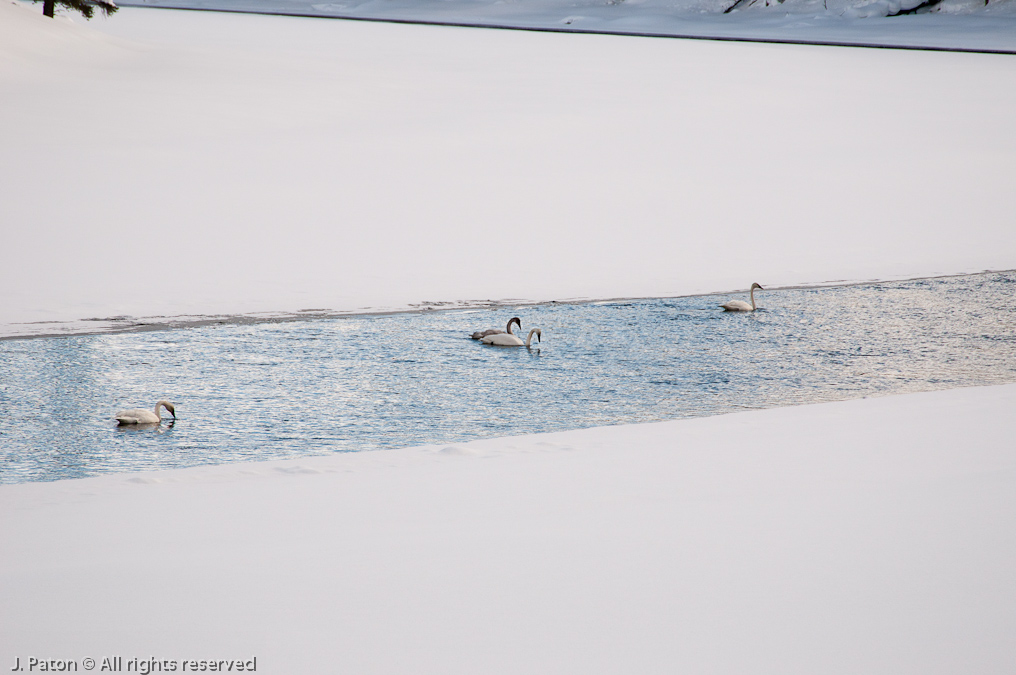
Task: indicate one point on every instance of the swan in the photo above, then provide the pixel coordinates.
(141, 416)
(741, 305)
(480, 334)
(511, 340)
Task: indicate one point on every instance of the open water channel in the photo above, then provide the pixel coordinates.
(278, 390)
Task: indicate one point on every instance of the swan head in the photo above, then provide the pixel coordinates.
(539, 334)
(514, 320)
(755, 285)
(168, 406)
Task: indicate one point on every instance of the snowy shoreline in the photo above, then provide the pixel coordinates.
(960, 26)
(871, 535)
(128, 324)
(363, 167)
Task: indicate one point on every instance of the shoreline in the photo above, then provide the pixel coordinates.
(408, 180)
(737, 538)
(129, 324)
(711, 37)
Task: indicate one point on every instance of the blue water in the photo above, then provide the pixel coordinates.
(287, 389)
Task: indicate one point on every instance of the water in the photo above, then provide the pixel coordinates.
(276, 390)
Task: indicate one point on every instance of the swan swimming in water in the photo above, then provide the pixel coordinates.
(480, 334)
(741, 305)
(141, 416)
(511, 340)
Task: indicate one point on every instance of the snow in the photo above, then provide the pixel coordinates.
(950, 24)
(171, 163)
(167, 163)
(868, 536)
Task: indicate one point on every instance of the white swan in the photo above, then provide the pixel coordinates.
(511, 340)
(741, 305)
(480, 334)
(141, 416)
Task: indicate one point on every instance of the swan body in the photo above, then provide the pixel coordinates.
(141, 416)
(741, 305)
(480, 334)
(512, 340)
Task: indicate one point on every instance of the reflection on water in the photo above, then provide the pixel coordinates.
(253, 392)
(154, 427)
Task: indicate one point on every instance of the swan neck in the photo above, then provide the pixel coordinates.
(753, 298)
(529, 338)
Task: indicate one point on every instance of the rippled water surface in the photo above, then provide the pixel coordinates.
(274, 390)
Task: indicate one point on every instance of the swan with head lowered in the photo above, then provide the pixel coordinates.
(142, 416)
(741, 305)
(511, 340)
(480, 334)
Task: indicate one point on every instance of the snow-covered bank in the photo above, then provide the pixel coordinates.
(870, 536)
(947, 24)
(197, 163)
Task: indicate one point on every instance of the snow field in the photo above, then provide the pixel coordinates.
(226, 164)
(864, 536)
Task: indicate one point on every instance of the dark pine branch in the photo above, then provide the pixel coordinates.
(86, 7)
